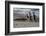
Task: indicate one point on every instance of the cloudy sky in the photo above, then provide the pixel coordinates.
(25, 11)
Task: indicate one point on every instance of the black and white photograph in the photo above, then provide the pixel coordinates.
(24, 17)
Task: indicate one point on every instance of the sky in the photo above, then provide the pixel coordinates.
(25, 11)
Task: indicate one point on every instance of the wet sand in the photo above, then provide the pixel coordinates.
(18, 24)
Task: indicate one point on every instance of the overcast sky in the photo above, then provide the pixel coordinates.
(22, 11)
